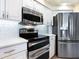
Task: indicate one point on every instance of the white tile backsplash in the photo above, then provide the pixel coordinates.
(42, 29)
(8, 29)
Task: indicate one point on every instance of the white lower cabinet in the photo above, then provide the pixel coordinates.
(20, 55)
(17, 51)
(52, 46)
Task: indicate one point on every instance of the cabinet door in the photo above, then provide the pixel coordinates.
(38, 7)
(2, 8)
(20, 55)
(52, 46)
(28, 3)
(13, 9)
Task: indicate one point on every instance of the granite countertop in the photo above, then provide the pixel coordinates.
(11, 41)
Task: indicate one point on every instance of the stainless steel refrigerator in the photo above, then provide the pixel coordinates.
(68, 35)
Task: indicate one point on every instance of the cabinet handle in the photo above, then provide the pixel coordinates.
(9, 51)
(7, 16)
(3, 15)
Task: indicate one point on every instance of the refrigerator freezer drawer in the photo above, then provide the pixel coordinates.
(68, 50)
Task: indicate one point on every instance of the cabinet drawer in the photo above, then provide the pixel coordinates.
(21, 55)
(12, 50)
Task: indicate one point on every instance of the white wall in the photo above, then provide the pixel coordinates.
(8, 29)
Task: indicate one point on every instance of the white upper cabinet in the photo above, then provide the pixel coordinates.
(11, 9)
(28, 3)
(31, 4)
(2, 8)
(38, 7)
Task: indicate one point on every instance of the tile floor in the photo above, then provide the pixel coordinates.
(63, 58)
(56, 58)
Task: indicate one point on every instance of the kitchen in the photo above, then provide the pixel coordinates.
(26, 28)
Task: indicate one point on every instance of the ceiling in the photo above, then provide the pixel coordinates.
(59, 2)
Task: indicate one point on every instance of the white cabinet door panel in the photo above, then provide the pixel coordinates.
(28, 3)
(52, 46)
(13, 9)
(2, 8)
(21, 55)
(38, 7)
(12, 50)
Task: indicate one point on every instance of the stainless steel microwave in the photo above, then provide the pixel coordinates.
(30, 16)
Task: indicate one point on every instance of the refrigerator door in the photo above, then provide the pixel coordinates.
(68, 35)
(68, 50)
(73, 27)
(63, 26)
(77, 26)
